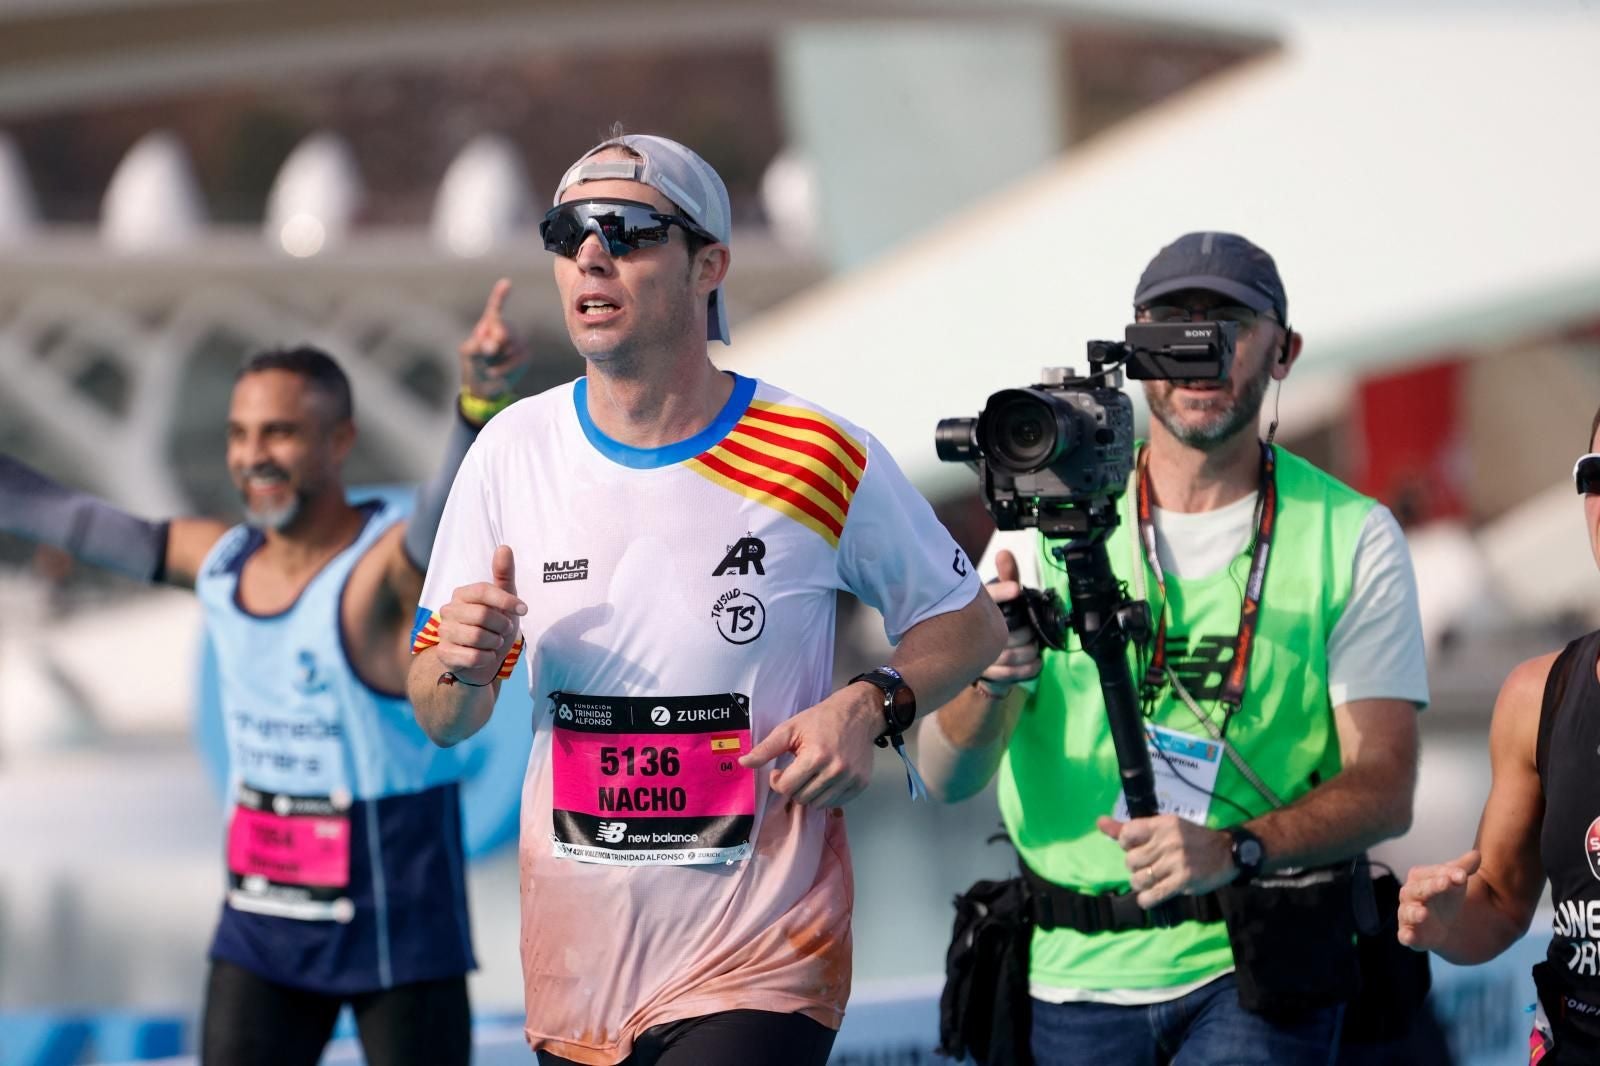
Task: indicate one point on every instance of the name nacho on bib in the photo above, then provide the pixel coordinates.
(651, 781)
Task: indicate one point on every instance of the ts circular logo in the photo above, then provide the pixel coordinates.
(740, 617)
(1591, 847)
(660, 716)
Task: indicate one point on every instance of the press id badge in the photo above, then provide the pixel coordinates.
(1173, 753)
(651, 781)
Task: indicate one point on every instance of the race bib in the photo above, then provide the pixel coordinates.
(651, 781)
(1185, 769)
(289, 856)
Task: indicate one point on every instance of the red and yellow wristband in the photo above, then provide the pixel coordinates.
(428, 635)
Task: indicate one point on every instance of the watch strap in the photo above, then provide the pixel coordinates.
(898, 712)
(888, 680)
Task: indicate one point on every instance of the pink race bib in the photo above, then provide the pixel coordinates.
(652, 780)
(289, 856)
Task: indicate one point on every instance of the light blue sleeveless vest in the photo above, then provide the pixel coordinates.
(301, 724)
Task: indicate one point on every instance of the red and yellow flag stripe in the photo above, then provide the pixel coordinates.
(428, 635)
(798, 462)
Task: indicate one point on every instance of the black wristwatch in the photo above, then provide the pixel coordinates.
(1248, 854)
(899, 702)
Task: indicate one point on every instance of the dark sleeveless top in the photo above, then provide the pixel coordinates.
(1569, 839)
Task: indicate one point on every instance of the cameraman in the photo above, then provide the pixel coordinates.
(1325, 719)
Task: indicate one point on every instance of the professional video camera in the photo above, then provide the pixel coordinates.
(1057, 456)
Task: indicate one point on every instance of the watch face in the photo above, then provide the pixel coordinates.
(904, 707)
(1250, 852)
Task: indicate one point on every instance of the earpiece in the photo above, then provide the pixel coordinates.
(1283, 355)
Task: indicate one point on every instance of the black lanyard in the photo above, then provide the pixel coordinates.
(1249, 611)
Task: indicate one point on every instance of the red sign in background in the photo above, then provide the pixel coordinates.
(1411, 444)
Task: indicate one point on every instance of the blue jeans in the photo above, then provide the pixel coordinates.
(1205, 1028)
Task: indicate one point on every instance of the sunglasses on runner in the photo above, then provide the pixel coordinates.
(1586, 472)
(623, 225)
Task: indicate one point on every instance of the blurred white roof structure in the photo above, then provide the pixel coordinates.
(315, 196)
(484, 200)
(1422, 184)
(19, 211)
(153, 203)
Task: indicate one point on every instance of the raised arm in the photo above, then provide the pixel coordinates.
(491, 360)
(92, 531)
(1472, 908)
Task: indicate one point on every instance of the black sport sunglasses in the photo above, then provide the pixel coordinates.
(624, 225)
(1586, 472)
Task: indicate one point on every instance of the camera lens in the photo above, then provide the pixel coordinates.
(1021, 431)
(955, 440)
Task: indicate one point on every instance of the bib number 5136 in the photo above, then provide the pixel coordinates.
(646, 761)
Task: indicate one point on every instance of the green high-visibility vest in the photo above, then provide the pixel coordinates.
(1060, 770)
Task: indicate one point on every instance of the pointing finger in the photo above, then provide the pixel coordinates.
(775, 744)
(497, 298)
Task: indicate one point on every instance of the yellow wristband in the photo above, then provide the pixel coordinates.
(478, 411)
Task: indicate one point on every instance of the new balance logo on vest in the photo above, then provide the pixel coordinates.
(1203, 668)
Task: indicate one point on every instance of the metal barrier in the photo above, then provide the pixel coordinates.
(1485, 1011)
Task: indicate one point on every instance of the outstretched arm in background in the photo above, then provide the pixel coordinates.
(92, 531)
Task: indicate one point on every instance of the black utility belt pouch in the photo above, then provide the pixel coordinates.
(985, 1012)
(1294, 940)
(1394, 979)
(1573, 1013)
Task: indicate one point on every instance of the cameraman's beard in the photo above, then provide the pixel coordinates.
(1224, 417)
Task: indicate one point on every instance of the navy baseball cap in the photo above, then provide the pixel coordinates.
(1223, 263)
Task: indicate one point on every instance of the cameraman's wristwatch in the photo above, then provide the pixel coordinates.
(899, 702)
(1248, 854)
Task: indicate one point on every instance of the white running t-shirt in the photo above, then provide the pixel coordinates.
(682, 604)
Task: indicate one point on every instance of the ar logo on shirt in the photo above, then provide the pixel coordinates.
(742, 556)
(1591, 847)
